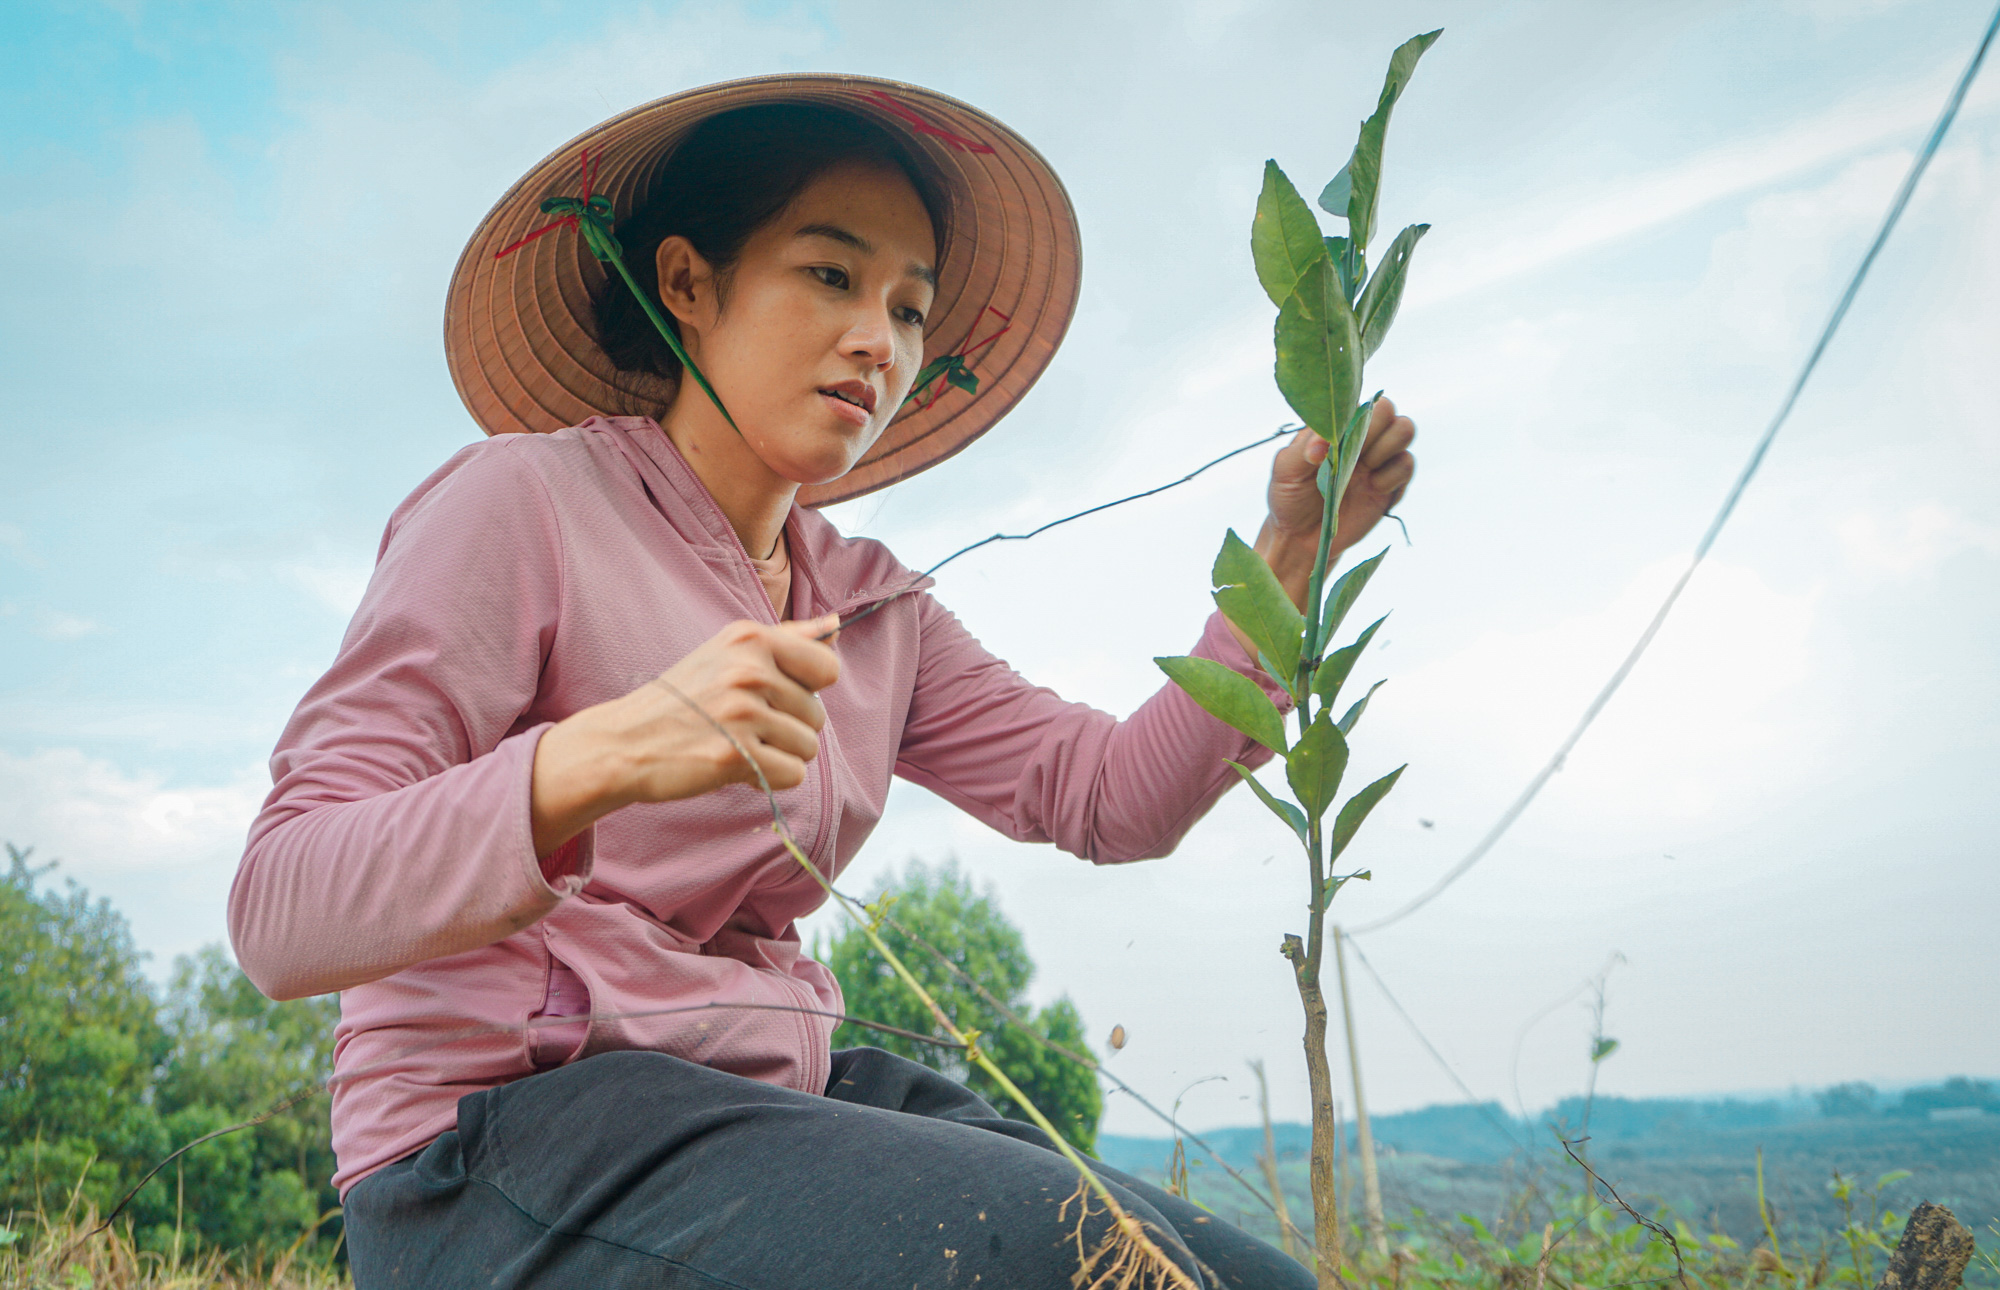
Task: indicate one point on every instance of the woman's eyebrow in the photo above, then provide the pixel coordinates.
(846, 237)
(835, 233)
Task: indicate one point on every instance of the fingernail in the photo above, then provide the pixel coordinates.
(1316, 450)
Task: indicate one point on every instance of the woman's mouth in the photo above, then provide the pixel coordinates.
(852, 401)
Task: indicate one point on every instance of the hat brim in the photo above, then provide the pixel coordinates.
(519, 331)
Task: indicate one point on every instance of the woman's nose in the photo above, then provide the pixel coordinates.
(871, 336)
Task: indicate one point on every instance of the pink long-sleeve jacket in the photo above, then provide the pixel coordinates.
(536, 575)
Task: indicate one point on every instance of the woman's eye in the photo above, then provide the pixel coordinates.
(914, 317)
(832, 277)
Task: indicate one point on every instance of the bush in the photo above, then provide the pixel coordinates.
(968, 928)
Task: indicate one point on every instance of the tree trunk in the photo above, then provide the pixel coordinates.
(1326, 1218)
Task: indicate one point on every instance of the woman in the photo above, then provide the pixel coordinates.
(500, 805)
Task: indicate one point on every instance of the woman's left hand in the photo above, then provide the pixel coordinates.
(1289, 540)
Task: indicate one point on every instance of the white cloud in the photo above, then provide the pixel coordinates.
(1770, 280)
(54, 625)
(103, 819)
(1914, 542)
(1561, 225)
(14, 541)
(333, 582)
(162, 852)
(1701, 728)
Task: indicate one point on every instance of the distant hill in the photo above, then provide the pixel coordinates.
(1696, 1157)
(1461, 1132)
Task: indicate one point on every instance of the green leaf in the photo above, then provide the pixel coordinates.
(1346, 723)
(1333, 197)
(1284, 236)
(1602, 1047)
(1315, 765)
(1365, 166)
(1349, 454)
(1250, 596)
(1331, 887)
(1384, 292)
(1337, 251)
(1893, 1176)
(1229, 696)
(1403, 65)
(1333, 672)
(1319, 350)
(1294, 818)
(1348, 822)
(1345, 592)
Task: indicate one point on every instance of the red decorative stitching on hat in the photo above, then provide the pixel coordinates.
(575, 205)
(907, 114)
(954, 370)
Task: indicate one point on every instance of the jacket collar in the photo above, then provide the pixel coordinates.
(839, 574)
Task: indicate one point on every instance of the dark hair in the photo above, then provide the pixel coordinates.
(733, 174)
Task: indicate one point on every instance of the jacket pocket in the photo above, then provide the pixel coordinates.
(552, 1037)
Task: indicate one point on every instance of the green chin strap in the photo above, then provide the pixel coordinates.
(592, 216)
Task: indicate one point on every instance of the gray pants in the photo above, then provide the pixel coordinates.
(639, 1169)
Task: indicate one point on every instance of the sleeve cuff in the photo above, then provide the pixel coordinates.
(568, 867)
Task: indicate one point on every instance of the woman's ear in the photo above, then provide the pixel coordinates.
(687, 283)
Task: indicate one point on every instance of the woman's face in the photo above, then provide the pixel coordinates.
(818, 332)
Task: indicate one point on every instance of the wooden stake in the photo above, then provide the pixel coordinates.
(1371, 1185)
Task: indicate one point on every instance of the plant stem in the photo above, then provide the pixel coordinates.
(1770, 1228)
(1127, 1226)
(1306, 958)
(1314, 647)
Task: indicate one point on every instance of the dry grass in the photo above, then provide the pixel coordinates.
(55, 1253)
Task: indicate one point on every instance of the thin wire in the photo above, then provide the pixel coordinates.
(1521, 1038)
(1548, 772)
(1483, 1105)
(1036, 532)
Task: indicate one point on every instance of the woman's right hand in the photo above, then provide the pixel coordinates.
(758, 681)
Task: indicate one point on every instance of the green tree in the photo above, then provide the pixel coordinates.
(968, 928)
(79, 1044)
(98, 1082)
(1956, 1093)
(1845, 1101)
(237, 1053)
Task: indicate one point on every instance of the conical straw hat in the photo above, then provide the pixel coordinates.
(519, 332)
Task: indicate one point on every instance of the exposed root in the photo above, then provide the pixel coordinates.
(1124, 1258)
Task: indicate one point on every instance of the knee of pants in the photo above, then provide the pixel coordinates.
(879, 1078)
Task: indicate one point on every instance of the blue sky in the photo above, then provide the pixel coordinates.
(230, 229)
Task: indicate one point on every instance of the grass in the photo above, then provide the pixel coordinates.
(1546, 1235)
(61, 1252)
